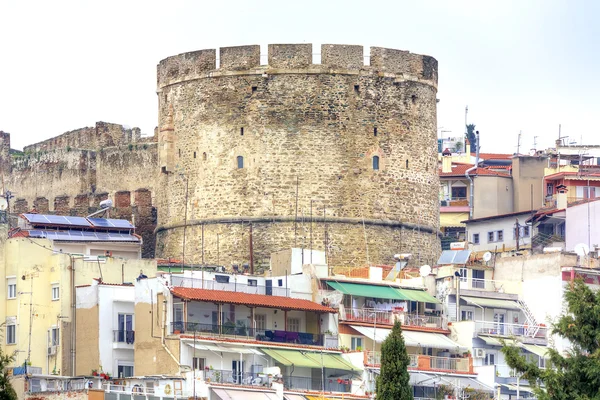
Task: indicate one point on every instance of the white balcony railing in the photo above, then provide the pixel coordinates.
(427, 363)
(506, 329)
(375, 316)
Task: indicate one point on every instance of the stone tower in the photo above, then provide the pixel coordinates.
(337, 155)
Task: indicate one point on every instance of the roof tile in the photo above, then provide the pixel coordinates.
(259, 300)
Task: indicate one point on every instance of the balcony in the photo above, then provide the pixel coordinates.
(181, 281)
(262, 335)
(289, 382)
(456, 204)
(488, 285)
(421, 362)
(123, 339)
(380, 317)
(534, 333)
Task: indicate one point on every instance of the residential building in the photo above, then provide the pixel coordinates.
(39, 288)
(499, 233)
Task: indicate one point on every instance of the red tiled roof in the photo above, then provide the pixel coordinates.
(493, 156)
(461, 169)
(257, 300)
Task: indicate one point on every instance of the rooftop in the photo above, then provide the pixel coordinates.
(461, 170)
(257, 300)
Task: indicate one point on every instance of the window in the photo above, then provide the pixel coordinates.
(252, 282)
(406, 164)
(279, 282)
(125, 328)
(204, 156)
(526, 231)
(125, 371)
(491, 237)
(242, 131)
(490, 359)
(375, 131)
(293, 325)
(375, 163)
(500, 236)
(261, 322)
(356, 343)
(11, 292)
(549, 189)
(194, 154)
(11, 334)
(53, 337)
(477, 280)
(463, 274)
(467, 315)
(222, 278)
(240, 162)
(476, 238)
(198, 363)
(459, 193)
(55, 291)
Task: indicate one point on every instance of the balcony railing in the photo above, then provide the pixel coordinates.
(127, 337)
(427, 363)
(506, 329)
(244, 332)
(181, 281)
(289, 382)
(375, 316)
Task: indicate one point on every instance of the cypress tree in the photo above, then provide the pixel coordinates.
(392, 382)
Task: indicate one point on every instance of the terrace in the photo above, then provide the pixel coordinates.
(426, 363)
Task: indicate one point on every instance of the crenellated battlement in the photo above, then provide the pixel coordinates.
(297, 58)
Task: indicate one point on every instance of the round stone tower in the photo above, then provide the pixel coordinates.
(338, 156)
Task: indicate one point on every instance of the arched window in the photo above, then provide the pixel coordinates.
(376, 163)
(240, 162)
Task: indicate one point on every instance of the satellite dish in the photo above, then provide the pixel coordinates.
(581, 249)
(3, 204)
(532, 152)
(487, 256)
(425, 270)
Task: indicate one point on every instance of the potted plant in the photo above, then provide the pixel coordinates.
(94, 372)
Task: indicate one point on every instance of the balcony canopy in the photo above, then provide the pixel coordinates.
(411, 338)
(382, 292)
(232, 394)
(492, 303)
(309, 360)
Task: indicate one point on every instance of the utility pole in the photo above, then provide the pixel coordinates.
(519, 143)
(466, 130)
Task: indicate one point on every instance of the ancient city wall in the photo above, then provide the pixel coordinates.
(307, 134)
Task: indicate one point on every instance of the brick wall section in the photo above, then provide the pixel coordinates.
(41, 205)
(20, 206)
(61, 205)
(314, 126)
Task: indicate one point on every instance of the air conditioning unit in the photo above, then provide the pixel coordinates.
(479, 353)
(52, 350)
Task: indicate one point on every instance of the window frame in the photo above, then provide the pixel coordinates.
(123, 364)
(356, 342)
(260, 322)
(475, 238)
(376, 163)
(295, 321)
(54, 336)
(11, 282)
(491, 236)
(500, 235)
(55, 290)
(11, 332)
(240, 162)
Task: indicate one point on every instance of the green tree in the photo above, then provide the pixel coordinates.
(7, 392)
(577, 374)
(471, 136)
(392, 382)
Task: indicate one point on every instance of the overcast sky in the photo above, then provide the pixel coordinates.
(519, 65)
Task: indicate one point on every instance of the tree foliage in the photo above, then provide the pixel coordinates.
(392, 383)
(471, 136)
(575, 375)
(7, 392)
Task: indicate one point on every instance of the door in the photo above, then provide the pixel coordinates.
(125, 328)
(499, 322)
(178, 317)
(269, 288)
(237, 368)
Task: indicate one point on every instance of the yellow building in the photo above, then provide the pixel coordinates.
(38, 289)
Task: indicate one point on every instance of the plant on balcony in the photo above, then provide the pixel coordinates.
(6, 389)
(475, 394)
(444, 391)
(392, 383)
(241, 329)
(228, 328)
(573, 376)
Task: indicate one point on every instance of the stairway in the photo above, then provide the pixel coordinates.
(532, 327)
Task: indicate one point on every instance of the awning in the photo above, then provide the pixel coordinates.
(492, 303)
(418, 295)
(453, 220)
(540, 351)
(378, 292)
(231, 394)
(434, 379)
(204, 347)
(293, 397)
(412, 339)
(492, 341)
(522, 388)
(212, 347)
(309, 359)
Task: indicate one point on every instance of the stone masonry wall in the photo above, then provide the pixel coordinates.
(299, 128)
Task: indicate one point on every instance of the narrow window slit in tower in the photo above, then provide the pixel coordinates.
(357, 88)
(194, 154)
(180, 153)
(254, 89)
(375, 131)
(204, 156)
(414, 98)
(242, 131)
(406, 164)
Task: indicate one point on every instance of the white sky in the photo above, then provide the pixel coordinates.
(519, 64)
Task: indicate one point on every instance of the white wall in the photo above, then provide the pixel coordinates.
(577, 228)
(506, 224)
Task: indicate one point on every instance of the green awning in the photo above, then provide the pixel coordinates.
(492, 303)
(309, 359)
(378, 292)
(418, 295)
(540, 351)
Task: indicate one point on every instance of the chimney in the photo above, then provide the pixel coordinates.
(561, 197)
(446, 161)
(467, 147)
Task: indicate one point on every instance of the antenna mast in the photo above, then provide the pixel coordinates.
(519, 143)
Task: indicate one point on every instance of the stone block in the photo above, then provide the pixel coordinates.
(239, 57)
(290, 55)
(342, 56)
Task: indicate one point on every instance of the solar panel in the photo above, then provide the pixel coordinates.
(78, 236)
(43, 219)
(111, 223)
(57, 219)
(449, 257)
(121, 223)
(36, 218)
(100, 222)
(78, 221)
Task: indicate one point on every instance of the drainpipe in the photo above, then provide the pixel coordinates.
(471, 183)
(163, 341)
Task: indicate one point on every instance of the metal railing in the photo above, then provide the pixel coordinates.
(507, 329)
(426, 363)
(375, 316)
(310, 384)
(242, 331)
(180, 281)
(120, 336)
